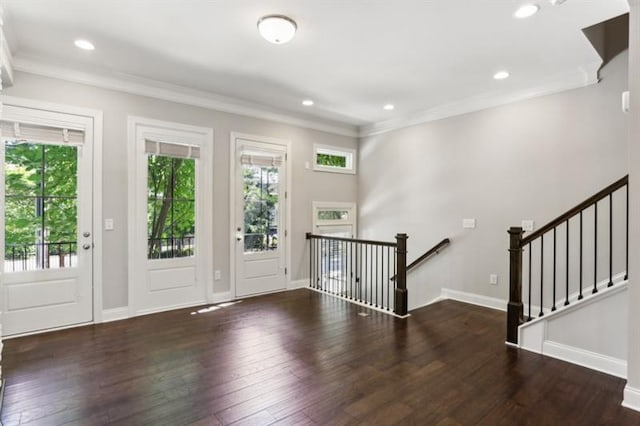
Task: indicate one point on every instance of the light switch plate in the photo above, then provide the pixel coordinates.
(217, 275)
(468, 223)
(493, 279)
(527, 225)
(108, 224)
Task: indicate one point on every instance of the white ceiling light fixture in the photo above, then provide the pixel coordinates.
(526, 11)
(388, 107)
(307, 102)
(501, 75)
(277, 29)
(84, 44)
(556, 2)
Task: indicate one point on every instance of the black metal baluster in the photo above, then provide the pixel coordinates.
(530, 267)
(553, 306)
(580, 296)
(60, 258)
(395, 263)
(366, 271)
(595, 248)
(541, 274)
(388, 274)
(311, 262)
(626, 268)
(377, 275)
(351, 270)
(610, 240)
(566, 277)
(371, 278)
(13, 258)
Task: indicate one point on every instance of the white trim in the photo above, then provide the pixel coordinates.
(221, 297)
(143, 312)
(46, 330)
(589, 297)
(115, 314)
(606, 364)
(97, 118)
(349, 154)
(581, 77)
(204, 136)
(180, 94)
(355, 302)
(232, 208)
(297, 284)
(474, 299)
(631, 398)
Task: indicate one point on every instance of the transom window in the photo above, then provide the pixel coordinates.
(334, 159)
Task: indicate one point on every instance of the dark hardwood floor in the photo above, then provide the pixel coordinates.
(300, 358)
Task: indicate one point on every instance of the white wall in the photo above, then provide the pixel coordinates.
(632, 392)
(308, 185)
(528, 160)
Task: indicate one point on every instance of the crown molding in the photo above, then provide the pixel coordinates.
(581, 77)
(179, 94)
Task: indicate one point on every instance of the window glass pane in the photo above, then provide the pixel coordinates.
(261, 186)
(40, 206)
(333, 215)
(171, 214)
(331, 160)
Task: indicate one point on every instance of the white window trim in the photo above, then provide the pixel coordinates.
(333, 205)
(349, 153)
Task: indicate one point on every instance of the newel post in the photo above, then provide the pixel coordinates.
(400, 299)
(514, 308)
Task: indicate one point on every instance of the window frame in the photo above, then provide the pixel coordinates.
(319, 224)
(348, 153)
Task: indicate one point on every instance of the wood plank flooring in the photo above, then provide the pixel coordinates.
(300, 358)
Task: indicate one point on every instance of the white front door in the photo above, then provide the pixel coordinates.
(47, 178)
(170, 198)
(260, 206)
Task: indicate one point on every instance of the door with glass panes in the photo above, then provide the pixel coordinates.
(47, 220)
(260, 197)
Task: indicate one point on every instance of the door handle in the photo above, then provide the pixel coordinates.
(86, 246)
(86, 234)
(238, 236)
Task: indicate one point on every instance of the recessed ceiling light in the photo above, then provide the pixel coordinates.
(388, 107)
(307, 102)
(526, 11)
(501, 75)
(277, 29)
(84, 44)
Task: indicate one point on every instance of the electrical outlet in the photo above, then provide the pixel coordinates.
(468, 223)
(493, 279)
(217, 275)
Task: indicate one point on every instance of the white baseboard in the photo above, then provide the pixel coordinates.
(115, 314)
(293, 285)
(631, 398)
(170, 308)
(606, 364)
(474, 299)
(224, 296)
(430, 302)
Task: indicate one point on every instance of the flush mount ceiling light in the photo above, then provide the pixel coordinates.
(526, 11)
(501, 75)
(388, 107)
(277, 29)
(556, 2)
(307, 102)
(84, 44)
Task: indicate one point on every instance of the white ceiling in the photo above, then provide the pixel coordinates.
(350, 56)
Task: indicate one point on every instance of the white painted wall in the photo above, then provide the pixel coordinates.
(528, 160)
(632, 391)
(308, 185)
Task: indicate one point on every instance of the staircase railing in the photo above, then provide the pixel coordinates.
(431, 252)
(361, 270)
(577, 243)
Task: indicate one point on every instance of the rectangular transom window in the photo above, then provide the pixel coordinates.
(334, 159)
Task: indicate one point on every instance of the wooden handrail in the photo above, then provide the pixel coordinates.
(577, 209)
(309, 235)
(433, 250)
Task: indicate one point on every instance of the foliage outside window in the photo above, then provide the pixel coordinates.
(334, 159)
(40, 206)
(170, 207)
(333, 215)
(261, 188)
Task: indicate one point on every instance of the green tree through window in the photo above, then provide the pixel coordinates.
(171, 207)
